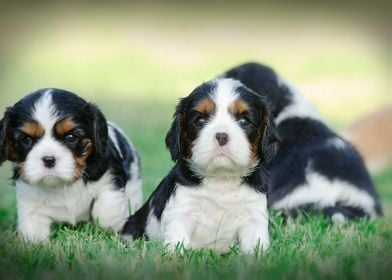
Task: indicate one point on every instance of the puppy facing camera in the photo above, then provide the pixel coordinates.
(221, 138)
(69, 163)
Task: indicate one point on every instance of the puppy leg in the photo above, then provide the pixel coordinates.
(134, 194)
(33, 227)
(254, 234)
(340, 214)
(110, 209)
(177, 231)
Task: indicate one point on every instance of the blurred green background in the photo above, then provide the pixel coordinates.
(136, 60)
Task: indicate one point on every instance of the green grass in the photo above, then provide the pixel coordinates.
(135, 62)
(306, 248)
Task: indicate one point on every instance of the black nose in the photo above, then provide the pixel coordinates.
(49, 161)
(222, 138)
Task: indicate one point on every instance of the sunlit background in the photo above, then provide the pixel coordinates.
(136, 60)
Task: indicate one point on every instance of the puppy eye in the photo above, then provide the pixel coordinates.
(27, 141)
(243, 121)
(200, 122)
(71, 138)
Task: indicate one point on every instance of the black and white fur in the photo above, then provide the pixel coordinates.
(214, 197)
(70, 165)
(315, 169)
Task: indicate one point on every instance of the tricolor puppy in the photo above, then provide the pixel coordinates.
(315, 169)
(69, 163)
(215, 195)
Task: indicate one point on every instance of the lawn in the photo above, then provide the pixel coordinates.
(135, 62)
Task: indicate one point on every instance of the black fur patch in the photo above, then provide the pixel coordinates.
(304, 143)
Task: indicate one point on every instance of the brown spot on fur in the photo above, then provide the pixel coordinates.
(64, 126)
(238, 107)
(19, 167)
(80, 160)
(257, 144)
(33, 129)
(205, 106)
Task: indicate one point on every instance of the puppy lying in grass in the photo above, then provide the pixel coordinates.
(315, 170)
(214, 197)
(69, 163)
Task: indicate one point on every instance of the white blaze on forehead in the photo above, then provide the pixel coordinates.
(225, 94)
(45, 111)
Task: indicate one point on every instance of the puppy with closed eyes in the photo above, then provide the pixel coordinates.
(315, 170)
(221, 138)
(70, 164)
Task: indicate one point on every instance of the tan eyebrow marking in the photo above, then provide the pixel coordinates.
(64, 126)
(205, 106)
(33, 129)
(238, 107)
(81, 160)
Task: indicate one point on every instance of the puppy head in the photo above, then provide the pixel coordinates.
(52, 136)
(222, 129)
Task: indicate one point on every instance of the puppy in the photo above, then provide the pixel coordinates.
(221, 138)
(315, 169)
(69, 163)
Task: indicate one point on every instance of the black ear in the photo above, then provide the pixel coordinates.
(173, 139)
(270, 141)
(173, 136)
(97, 162)
(3, 137)
(99, 129)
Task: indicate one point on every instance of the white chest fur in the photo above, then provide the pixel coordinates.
(69, 203)
(216, 215)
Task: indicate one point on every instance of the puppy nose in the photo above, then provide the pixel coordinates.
(49, 161)
(222, 138)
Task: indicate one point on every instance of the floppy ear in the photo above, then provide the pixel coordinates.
(173, 136)
(99, 129)
(270, 141)
(3, 137)
(97, 162)
(173, 139)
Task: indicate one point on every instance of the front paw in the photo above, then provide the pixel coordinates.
(34, 229)
(34, 237)
(254, 246)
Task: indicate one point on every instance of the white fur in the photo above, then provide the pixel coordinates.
(216, 215)
(112, 136)
(232, 159)
(337, 143)
(322, 192)
(338, 218)
(153, 226)
(45, 111)
(38, 207)
(34, 170)
(133, 188)
(299, 107)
